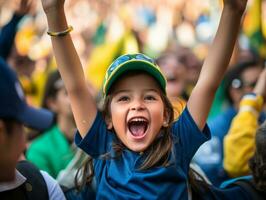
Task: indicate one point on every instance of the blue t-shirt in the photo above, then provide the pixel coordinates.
(121, 178)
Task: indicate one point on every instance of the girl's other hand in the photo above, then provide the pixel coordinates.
(236, 5)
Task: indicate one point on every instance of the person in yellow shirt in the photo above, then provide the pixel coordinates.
(239, 143)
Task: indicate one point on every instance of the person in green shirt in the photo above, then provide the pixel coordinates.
(53, 150)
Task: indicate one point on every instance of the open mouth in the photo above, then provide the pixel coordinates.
(138, 127)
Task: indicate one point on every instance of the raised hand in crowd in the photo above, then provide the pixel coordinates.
(24, 7)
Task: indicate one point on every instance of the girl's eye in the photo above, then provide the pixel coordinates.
(150, 97)
(123, 98)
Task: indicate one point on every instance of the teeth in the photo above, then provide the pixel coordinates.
(138, 120)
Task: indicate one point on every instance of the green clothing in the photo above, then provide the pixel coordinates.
(219, 102)
(51, 151)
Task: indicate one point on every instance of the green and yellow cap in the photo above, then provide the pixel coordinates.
(132, 62)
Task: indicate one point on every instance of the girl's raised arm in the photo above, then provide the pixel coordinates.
(82, 103)
(216, 62)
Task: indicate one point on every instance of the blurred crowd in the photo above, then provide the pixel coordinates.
(118, 27)
(176, 33)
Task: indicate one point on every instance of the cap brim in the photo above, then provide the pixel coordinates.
(39, 119)
(135, 65)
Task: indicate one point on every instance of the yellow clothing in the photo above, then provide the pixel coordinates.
(103, 55)
(239, 143)
(178, 105)
(34, 86)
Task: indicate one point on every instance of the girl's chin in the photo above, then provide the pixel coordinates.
(138, 150)
(137, 147)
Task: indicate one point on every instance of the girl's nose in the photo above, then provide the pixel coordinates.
(137, 105)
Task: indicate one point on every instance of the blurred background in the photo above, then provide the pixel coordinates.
(108, 28)
(177, 33)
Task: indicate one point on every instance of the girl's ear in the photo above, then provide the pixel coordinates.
(165, 124)
(109, 123)
(166, 120)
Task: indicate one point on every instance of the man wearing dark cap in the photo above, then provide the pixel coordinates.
(26, 181)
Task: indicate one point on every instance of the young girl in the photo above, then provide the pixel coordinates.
(149, 153)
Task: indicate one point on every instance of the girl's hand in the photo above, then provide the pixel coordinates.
(236, 5)
(52, 5)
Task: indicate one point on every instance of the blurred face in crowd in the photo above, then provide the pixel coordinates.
(192, 64)
(60, 104)
(248, 81)
(175, 74)
(12, 144)
(22, 64)
(56, 100)
(249, 78)
(55, 96)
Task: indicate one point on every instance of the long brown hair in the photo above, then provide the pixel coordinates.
(85, 174)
